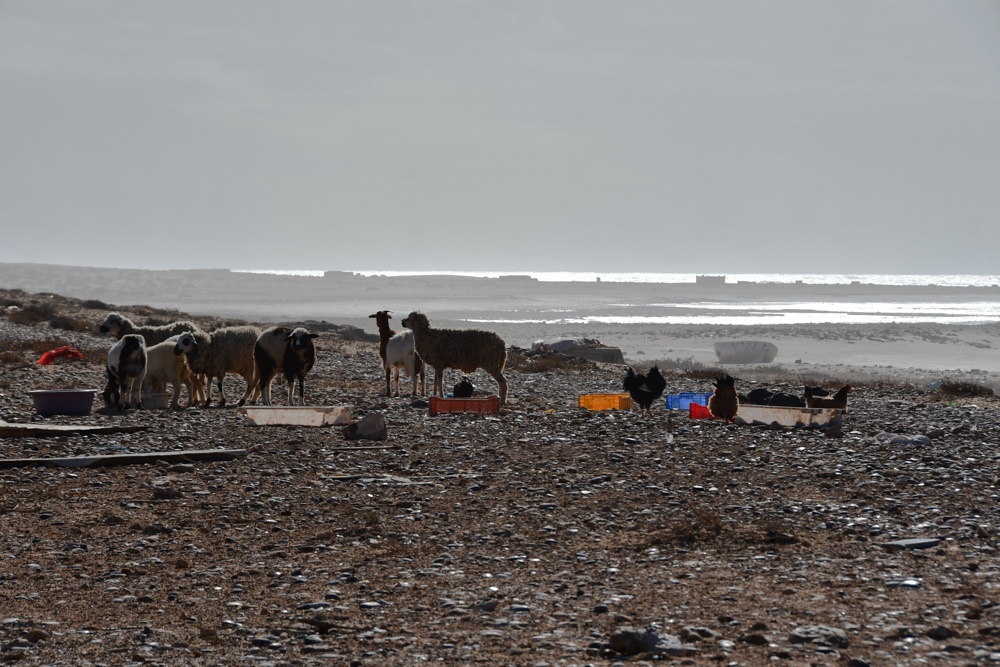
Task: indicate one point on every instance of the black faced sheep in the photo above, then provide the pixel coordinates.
(126, 370)
(464, 349)
(287, 351)
(118, 325)
(226, 350)
(163, 366)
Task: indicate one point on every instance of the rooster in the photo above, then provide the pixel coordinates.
(644, 389)
(724, 403)
(838, 400)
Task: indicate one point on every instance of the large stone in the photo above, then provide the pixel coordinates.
(371, 427)
(823, 635)
(629, 641)
(912, 543)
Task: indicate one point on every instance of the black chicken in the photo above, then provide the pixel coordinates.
(644, 389)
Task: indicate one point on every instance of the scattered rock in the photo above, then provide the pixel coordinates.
(823, 635)
(371, 427)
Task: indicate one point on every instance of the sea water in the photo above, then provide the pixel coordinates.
(736, 312)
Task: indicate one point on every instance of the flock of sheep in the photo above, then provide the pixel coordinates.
(147, 358)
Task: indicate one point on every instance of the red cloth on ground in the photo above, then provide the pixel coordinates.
(65, 351)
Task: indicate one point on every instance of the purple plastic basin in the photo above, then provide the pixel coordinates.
(63, 401)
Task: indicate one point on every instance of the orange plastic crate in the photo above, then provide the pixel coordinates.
(606, 402)
(475, 405)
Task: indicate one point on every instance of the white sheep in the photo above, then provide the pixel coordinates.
(164, 366)
(226, 350)
(126, 371)
(285, 350)
(399, 353)
(118, 325)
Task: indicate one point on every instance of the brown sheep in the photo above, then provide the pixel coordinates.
(382, 318)
(724, 403)
(464, 349)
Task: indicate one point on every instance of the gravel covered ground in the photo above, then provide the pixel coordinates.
(537, 536)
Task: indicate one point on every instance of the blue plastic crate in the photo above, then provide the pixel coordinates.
(673, 402)
(685, 399)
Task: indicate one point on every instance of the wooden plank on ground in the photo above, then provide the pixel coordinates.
(108, 460)
(8, 430)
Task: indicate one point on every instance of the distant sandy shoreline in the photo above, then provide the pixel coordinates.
(912, 350)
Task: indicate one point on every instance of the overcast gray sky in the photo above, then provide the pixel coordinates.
(737, 136)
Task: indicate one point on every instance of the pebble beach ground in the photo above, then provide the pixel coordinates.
(542, 535)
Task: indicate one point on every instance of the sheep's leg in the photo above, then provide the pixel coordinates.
(265, 390)
(208, 389)
(438, 382)
(175, 399)
(501, 386)
(249, 390)
(302, 390)
(222, 393)
(388, 380)
(121, 398)
(395, 379)
(291, 390)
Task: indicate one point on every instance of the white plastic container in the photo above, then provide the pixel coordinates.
(156, 400)
(800, 417)
(297, 415)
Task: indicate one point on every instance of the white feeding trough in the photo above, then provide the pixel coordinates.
(297, 415)
(746, 352)
(795, 417)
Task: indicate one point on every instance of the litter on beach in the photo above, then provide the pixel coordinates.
(606, 402)
(297, 415)
(473, 405)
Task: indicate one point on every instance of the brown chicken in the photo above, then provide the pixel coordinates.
(838, 400)
(724, 403)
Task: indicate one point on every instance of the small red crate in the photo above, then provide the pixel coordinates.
(475, 405)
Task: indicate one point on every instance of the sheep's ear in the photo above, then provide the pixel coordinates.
(288, 337)
(314, 335)
(375, 315)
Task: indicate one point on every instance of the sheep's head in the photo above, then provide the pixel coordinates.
(112, 324)
(185, 342)
(300, 338)
(416, 319)
(382, 317)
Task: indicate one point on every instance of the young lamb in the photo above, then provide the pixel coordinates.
(464, 349)
(399, 353)
(126, 370)
(288, 351)
(118, 325)
(382, 318)
(163, 366)
(226, 350)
